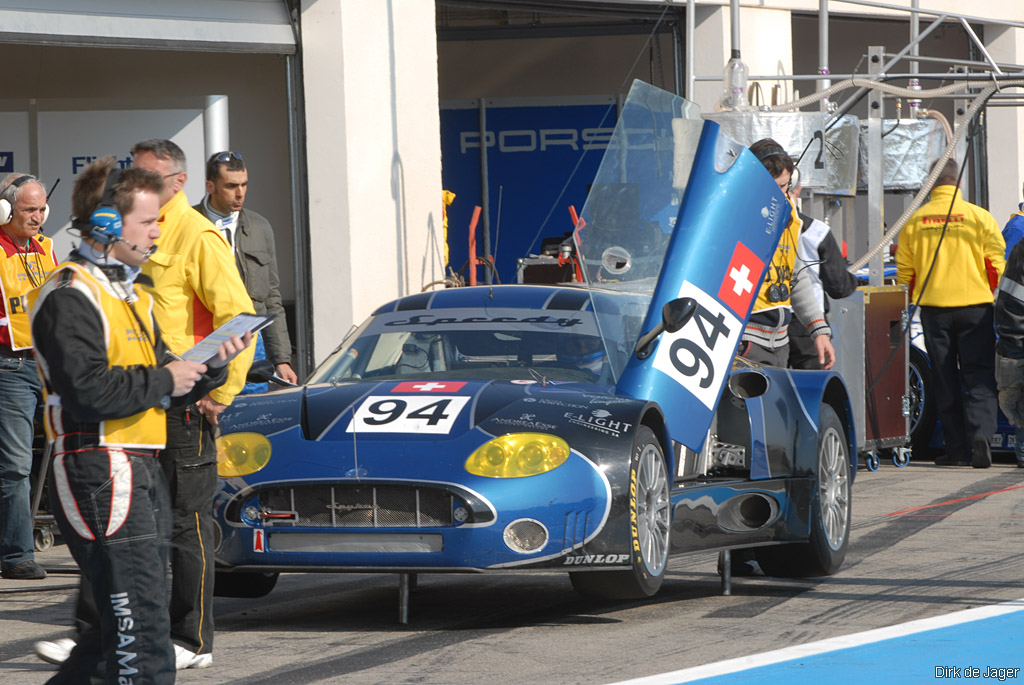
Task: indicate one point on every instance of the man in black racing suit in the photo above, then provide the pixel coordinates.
(108, 377)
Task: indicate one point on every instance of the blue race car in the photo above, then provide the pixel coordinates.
(597, 428)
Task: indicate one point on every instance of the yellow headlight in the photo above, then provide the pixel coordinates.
(518, 455)
(239, 454)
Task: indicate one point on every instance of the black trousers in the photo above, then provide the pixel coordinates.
(112, 509)
(961, 344)
(802, 352)
(190, 465)
(189, 468)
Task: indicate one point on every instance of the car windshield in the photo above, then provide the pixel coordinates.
(470, 344)
(634, 202)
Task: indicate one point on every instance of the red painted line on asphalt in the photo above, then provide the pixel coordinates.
(954, 501)
(963, 516)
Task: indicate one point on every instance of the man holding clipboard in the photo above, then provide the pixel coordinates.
(108, 381)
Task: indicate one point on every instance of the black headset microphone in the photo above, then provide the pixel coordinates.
(105, 224)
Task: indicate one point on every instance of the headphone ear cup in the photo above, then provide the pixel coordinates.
(46, 213)
(5, 212)
(106, 225)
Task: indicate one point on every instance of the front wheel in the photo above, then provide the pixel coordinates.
(649, 528)
(824, 552)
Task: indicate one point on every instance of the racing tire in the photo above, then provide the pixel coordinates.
(244, 584)
(824, 552)
(923, 415)
(649, 519)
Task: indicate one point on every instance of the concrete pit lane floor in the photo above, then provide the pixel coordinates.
(927, 543)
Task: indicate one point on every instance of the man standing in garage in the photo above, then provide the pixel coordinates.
(196, 288)
(951, 254)
(26, 257)
(252, 239)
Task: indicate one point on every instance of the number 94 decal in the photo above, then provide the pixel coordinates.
(698, 356)
(407, 414)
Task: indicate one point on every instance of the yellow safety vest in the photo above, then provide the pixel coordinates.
(127, 346)
(781, 266)
(20, 271)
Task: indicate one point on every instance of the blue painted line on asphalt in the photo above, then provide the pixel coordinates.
(982, 644)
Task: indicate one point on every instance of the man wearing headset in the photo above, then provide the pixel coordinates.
(766, 337)
(108, 379)
(251, 237)
(784, 291)
(26, 257)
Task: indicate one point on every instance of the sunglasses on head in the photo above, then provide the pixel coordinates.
(227, 156)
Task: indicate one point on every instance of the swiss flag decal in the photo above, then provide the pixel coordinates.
(742, 280)
(427, 386)
(258, 544)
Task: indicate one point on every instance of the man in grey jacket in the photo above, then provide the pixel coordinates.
(252, 239)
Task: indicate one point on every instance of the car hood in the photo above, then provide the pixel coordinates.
(324, 413)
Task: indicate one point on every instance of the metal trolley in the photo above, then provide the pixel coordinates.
(44, 527)
(872, 355)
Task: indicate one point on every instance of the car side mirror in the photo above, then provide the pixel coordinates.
(674, 316)
(676, 313)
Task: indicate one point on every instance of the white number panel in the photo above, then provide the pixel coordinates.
(407, 414)
(698, 356)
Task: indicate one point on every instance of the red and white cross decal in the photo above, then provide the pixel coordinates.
(427, 386)
(258, 544)
(742, 280)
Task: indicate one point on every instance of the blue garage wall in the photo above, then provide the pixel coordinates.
(535, 148)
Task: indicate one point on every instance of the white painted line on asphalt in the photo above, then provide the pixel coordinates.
(831, 644)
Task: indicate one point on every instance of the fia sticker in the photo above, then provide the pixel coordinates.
(698, 355)
(425, 413)
(258, 541)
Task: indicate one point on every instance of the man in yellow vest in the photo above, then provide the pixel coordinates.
(785, 290)
(26, 257)
(108, 379)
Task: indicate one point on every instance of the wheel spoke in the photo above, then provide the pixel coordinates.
(652, 507)
(833, 487)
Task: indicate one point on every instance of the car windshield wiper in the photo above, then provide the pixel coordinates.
(537, 375)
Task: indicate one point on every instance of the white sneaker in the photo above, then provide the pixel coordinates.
(183, 659)
(54, 651)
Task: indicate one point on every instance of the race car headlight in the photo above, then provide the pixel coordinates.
(518, 455)
(239, 454)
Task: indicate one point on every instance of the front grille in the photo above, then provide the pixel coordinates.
(357, 506)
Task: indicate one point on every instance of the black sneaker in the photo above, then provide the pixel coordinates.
(981, 455)
(26, 570)
(948, 460)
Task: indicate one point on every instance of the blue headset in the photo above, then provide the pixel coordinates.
(105, 222)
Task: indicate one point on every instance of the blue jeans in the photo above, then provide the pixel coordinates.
(20, 397)
(261, 353)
